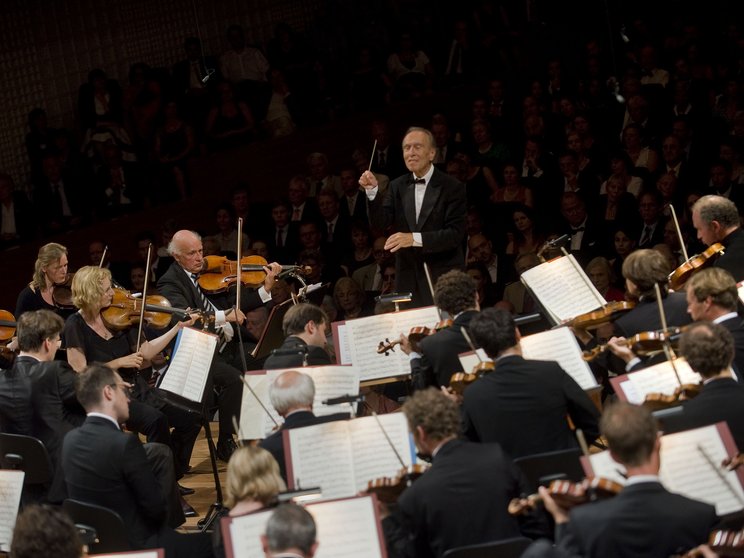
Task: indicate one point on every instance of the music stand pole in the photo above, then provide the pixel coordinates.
(215, 509)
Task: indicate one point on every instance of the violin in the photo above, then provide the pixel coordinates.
(124, 311)
(444, 324)
(568, 494)
(642, 344)
(62, 293)
(679, 276)
(603, 315)
(219, 273)
(684, 392)
(388, 489)
(7, 326)
(460, 380)
(415, 335)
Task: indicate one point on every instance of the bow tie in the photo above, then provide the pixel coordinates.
(419, 181)
(578, 229)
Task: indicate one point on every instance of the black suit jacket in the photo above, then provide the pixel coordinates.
(292, 352)
(592, 242)
(274, 444)
(644, 520)
(461, 500)
(645, 315)
(341, 242)
(441, 224)
(736, 328)
(733, 259)
(360, 208)
(105, 466)
(439, 354)
(16, 416)
(719, 400)
(523, 404)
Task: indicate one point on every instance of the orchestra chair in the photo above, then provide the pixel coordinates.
(541, 468)
(27, 454)
(505, 548)
(107, 524)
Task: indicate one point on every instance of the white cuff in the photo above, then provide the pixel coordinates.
(417, 242)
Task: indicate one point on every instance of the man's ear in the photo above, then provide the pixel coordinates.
(313, 549)
(310, 327)
(265, 544)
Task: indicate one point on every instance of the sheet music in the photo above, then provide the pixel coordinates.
(154, 553)
(365, 334)
(11, 486)
(470, 359)
(347, 528)
(189, 367)
(740, 288)
(344, 349)
(604, 466)
(561, 346)
(559, 287)
(659, 378)
(245, 534)
(330, 381)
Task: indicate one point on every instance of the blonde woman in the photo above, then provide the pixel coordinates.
(50, 269)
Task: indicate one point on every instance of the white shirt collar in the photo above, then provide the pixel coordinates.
(427, 176)
(725, 317)
(638, 479)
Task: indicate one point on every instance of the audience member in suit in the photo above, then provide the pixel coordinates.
(62, 202)
(303, 207)
(524, 403)
(107, 467)
(673, 162)
(443, 141)
(353, 203)
(651, 230)
(320, 177)
(17, 216)
(583, 183)
(370, 277)
(708, 348)
(716, 219)
(388, 158)
(587, 235)
(360, 254)
(290, 532)
(292, 395)
(434, 358)
(283, 242)
(336, 229)
(466, 481)
(121, 185)
(480, 249)
(304, 325)
(644, 520)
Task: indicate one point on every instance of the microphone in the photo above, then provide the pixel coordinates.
(344, 399)
(394, 297)
(210, 73)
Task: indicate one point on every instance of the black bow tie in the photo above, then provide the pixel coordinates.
(578, 229)
(419, 181)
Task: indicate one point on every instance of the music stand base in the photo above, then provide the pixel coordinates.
(215, 512)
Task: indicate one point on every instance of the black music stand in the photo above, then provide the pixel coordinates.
(272, 335)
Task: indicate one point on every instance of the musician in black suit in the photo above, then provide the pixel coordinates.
(105, 466)
(522, 404)
(462, 499)
(426, 210)
(716, 219)
(434, 359)
(292, 395)
(709, 350)
(644, 520)
(305, 327)
(179, 286)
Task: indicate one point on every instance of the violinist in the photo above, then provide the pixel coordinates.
(50, 269)
(305, 326)
(709, 350)
(462, 498)
(179, 285)
(88, 339)
(716, 219)
(455, 292)
(644, 519)
(522, 404)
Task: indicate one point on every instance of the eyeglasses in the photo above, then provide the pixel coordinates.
(126, 388)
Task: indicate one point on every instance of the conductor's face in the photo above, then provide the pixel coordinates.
(418, 152)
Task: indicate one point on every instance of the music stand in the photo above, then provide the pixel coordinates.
(272, 335)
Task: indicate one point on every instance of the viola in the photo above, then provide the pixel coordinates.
(124, 311)
(679, 276)
(219, 273)
(415, 335)
(460, 380)
(601, 316)
(388, 489)
(62, 293)
(568, 494)
(684, 392)
(644, 343)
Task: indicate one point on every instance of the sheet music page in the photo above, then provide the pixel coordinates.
(334, 381)
(347, 528)
(156, 553)
(11, 486)
(365, 334)
(189, 367)
(245, 533)
(254, 422)
(740, 288)
(559, 287)
(561, 346)
(470, 359)
(684, 469)
(373, 456)
(631, 395)
(659, 378)
(344, 349)
(322, 456)
(606, 467)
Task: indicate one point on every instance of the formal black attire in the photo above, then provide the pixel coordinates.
(645, 315)
(654, 237)
(359, 209)
(733, 259)
(48, 200)
(16, 416)
(735, 325)
(438, 360)
(30, 299)
(719, 400)
(461, 500)
(274, 443)
(338, 242)
(25, 220)
(295, 352)
(592, 240)
(523, 404)
(176, 285)
(644, 520)
(107, 467)
(441, 223)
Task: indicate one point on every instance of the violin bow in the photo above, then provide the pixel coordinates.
(666, 344)
(389, 441)
(144, 296)
(240, 335)
(431, 288)
(103, 256)
(679, 231)
(466, 335)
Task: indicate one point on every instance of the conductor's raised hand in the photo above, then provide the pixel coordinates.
(368, 180)
(399, 240)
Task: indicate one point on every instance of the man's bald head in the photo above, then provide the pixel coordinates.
(186, 248)
(292, 391)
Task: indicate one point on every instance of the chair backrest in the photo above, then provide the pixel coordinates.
(505, 548)
(27, 454)
(541, 468)
(108, 525)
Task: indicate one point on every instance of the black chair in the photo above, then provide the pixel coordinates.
(541, 468)
(27, 454)
(505, 548)
(108, 525)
